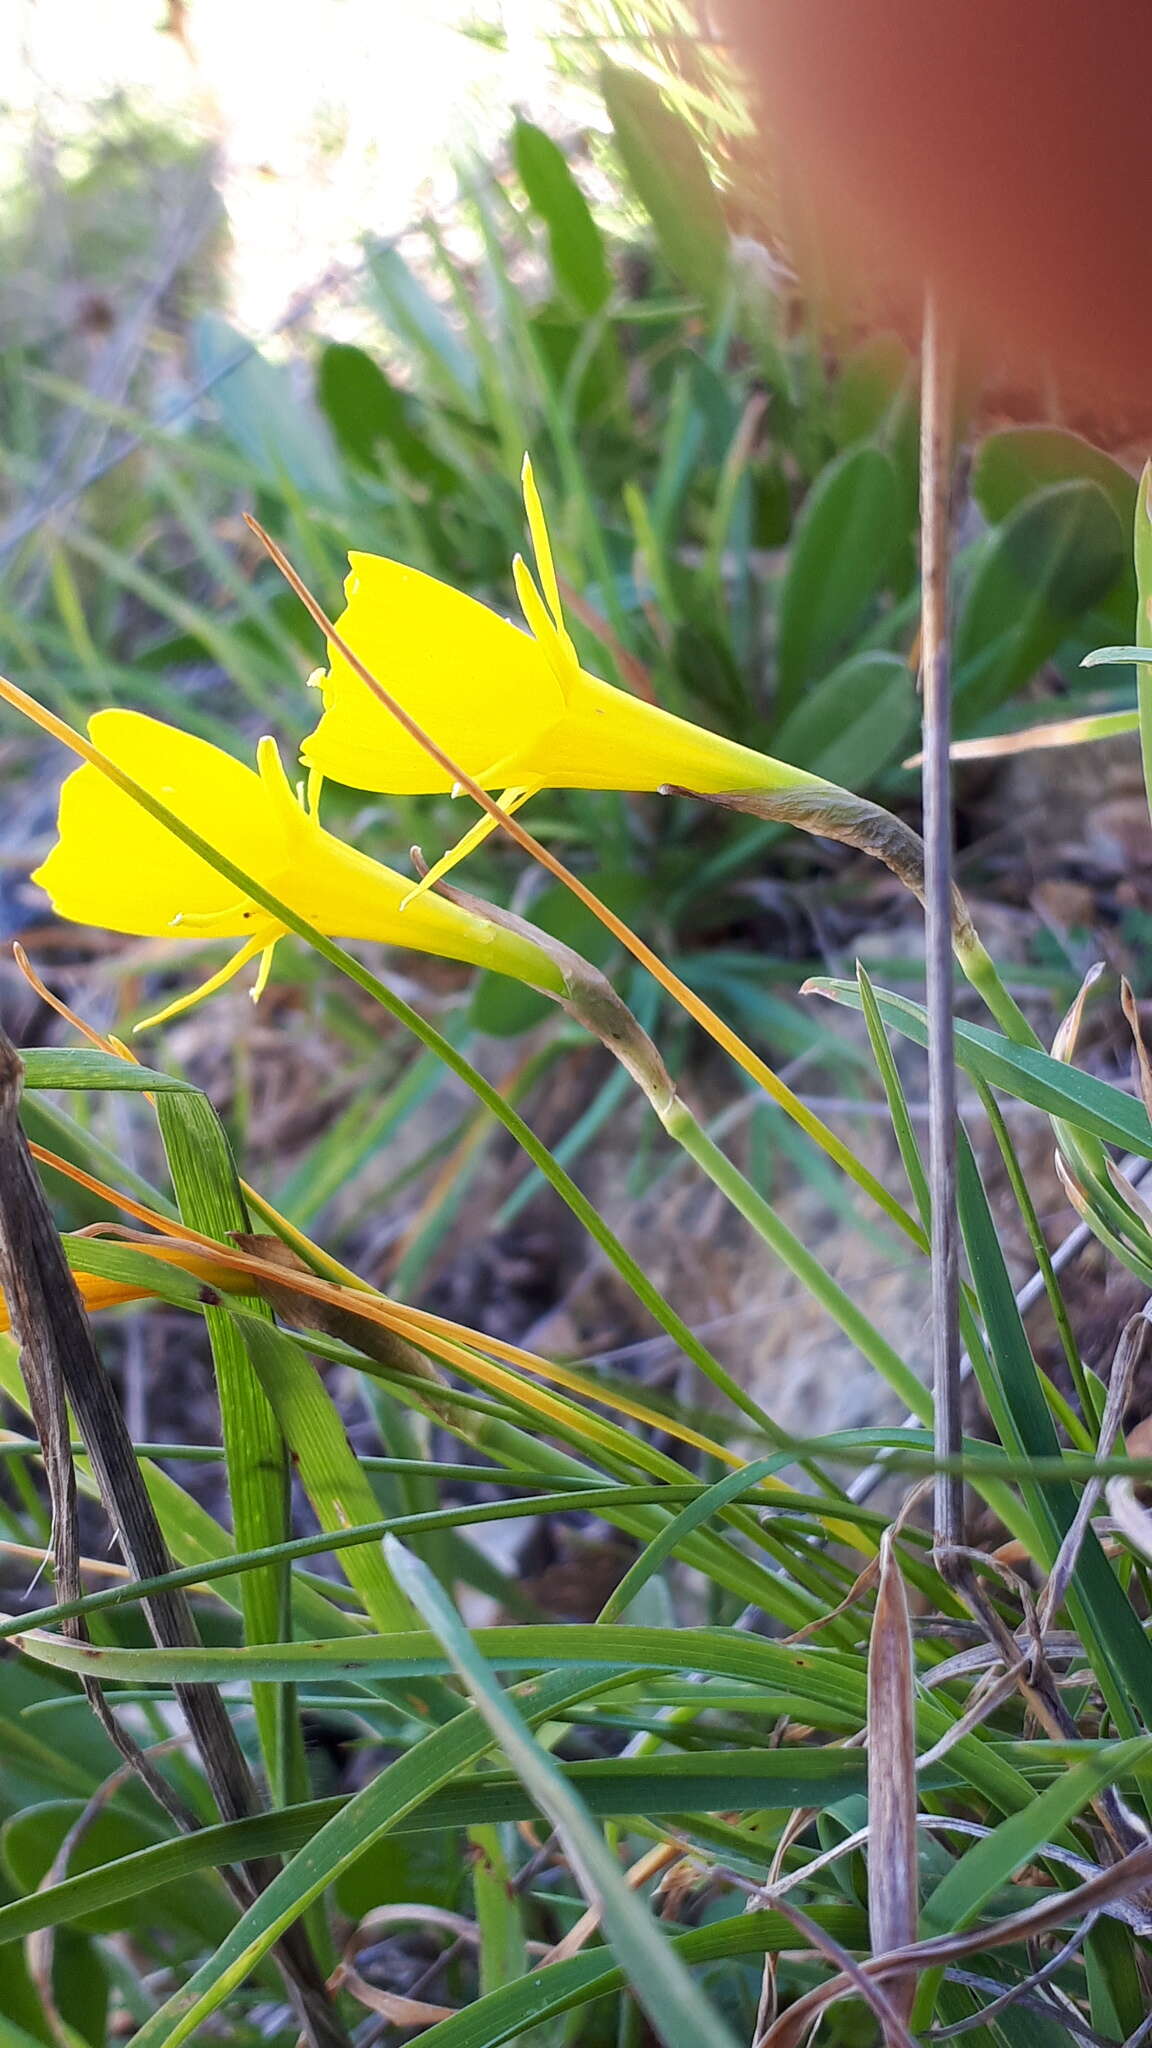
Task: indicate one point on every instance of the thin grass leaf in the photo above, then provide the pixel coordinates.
(663, 1546)
(823, 1674)
(331, 1474)
(81, 1066)
(1082, 1100)
(208, 1194)
(402, 1787)
(674, 2004)
(1100, 1609)
(992, 1862)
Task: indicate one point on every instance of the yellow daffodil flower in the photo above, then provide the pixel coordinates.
(113, 865)
(515, 711)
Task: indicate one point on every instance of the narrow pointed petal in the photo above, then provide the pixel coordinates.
(553, 644)
(225, 974)
(545, 566)
(263, 971)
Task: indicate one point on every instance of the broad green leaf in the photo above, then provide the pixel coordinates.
(671, 179)
(852, 723)
(11, 2034)
(1056, 556)
(371, 418)
(83, 1067)
(579, 264)
(1011, 466)
(873, 378)
(42, 1760)
(32, 1838)
(674, 2003)
(1021, 1070)
(845, 541)
(1019, 461)
(420, 323)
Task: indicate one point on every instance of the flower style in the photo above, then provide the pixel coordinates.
(114, 865)
(514, 710)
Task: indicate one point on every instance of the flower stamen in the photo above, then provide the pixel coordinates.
(246, 952)
(474, 837)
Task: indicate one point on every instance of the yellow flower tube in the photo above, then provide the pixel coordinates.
(115, 866)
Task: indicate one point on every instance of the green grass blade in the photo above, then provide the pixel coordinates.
(362, 1820)
(676, 2008)
(331, 1474)
(1082, 1100)
(1100, 1609)
(994, 1859)
(81, 1066)
(209, 1198)
(691, 1517)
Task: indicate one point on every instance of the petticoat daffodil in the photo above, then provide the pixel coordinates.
(515, 710)
(115, 866)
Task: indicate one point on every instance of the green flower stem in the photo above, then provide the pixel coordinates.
(978, 966)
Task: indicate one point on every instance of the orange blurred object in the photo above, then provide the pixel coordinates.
(97, 1292)
(998, 149)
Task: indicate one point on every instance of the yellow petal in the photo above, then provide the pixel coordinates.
(556, 646)
(264, 970)
(115, 866)
(219, 980)
(545, 567)
(478, 685)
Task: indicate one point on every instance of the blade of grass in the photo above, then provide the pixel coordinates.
(1082, 1100)
(1107, 1623)
(362, 1820)
(208, 1193)
(676, 2008)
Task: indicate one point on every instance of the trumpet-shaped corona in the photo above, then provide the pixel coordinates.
(116, 866)
(514, 710)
